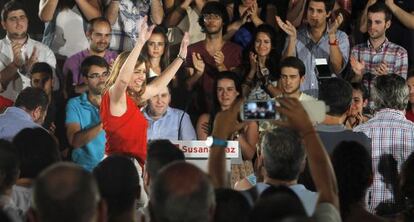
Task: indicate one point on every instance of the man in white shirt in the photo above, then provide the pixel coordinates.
(18, 52)
(292, 75)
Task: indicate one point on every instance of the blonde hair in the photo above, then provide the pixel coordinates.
(116, 68)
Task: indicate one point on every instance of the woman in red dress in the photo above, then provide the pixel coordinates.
(125, 94)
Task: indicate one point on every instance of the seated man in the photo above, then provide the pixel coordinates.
(66, 191)
(99, 35)
(18, 52)
(378, 56)
(83, 122)
(29, 111)
(292, 75)
(166, 122)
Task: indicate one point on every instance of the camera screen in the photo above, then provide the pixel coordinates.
(260, 110)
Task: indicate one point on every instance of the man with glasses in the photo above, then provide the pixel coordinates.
(99, 35)
(208, 57)
(83, 122)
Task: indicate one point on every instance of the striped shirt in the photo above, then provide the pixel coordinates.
(392, 138)
(394, 55)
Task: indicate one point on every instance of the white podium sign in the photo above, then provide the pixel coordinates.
(197, 149)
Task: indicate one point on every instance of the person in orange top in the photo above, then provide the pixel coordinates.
(126, 92)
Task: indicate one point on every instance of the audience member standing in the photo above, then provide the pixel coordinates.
(126, 92)
(65, 24)
(99, 35)
(392, 141)
(402, 29)
(317, 41)
(124, 14)
(83, 122)
(208, 57)
(378, 56)
(18, 52)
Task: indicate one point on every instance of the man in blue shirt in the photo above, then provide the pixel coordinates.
(29, 111)
(83, 122)
(166, 122)
(317, 43)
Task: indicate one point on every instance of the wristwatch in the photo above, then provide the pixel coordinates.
(336, 42)
(212, 141)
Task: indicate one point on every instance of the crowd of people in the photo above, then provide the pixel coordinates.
(89, 112)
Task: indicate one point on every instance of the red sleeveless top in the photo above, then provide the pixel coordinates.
(126, 134)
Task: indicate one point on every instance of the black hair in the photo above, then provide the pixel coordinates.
(10, 6)
(120, 195)
(92, 61)
(294, 62)
(273, 59)
(352, 164)
(215, 8)
(161, 153)
(36, 149)
(42, 67)
(9, 165)
(360, 87)
(329, 4)
(380, 6)
(337, 94)
(30, 98)
(275, 204)
(231, 205)
(216, 105)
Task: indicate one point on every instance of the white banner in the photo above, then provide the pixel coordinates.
(197, 149)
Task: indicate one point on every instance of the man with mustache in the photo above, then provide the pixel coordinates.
(83, 122)
(99, 35)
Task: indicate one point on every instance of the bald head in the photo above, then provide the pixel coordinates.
(182, 192)
(65, 192)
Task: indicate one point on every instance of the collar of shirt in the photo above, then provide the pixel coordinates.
(330, 128)
(18, 112)
(27, 42)
(85, 101)
(381, 48)
(309, 36)
(387, 113)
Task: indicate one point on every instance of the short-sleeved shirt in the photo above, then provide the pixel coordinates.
(169, 125)
(74, 62)
(6, 57)
(79, 110)
(308, 51)
(232, 59)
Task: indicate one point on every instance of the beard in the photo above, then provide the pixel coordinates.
(212, 32)
(100, 47)
(17, 35)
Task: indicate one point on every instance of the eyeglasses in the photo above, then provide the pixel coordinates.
(158, 44)
(97, 75)
(210, 17)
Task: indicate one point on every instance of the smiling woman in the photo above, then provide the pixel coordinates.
(126, 92)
